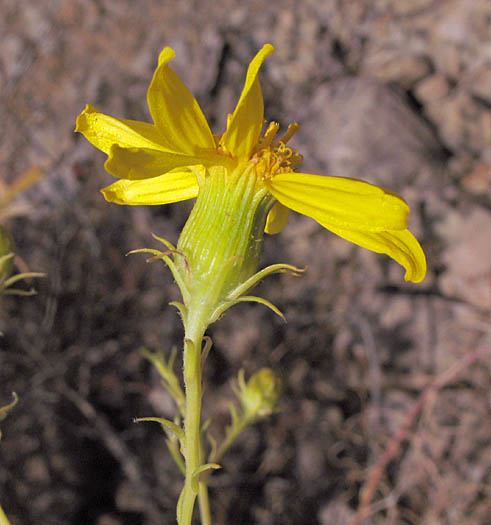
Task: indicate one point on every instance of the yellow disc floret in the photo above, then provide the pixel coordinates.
(271, 157)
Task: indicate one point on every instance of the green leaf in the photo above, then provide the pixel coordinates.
(166, 425)
(200, 470)
(176, 455)
(165, 242)
(5, 409)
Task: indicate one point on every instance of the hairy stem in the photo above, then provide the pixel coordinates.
(194, 331)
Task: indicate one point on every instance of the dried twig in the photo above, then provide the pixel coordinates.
(369, 488)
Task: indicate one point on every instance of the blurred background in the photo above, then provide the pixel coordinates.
(397, 93)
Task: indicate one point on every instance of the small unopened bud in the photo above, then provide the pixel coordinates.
(260, 394)
(6, 253)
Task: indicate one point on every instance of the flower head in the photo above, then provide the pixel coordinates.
(259, 396)
(160, 163)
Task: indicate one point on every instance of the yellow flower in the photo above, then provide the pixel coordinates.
(157, 164)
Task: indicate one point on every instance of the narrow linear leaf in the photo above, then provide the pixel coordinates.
(166, 424)
(145, 250)
(176, 456)
(22, 276)
(181, 307)
(165, 242)
(196, 474)
(15, 291)
(206, 350)
(5, 409)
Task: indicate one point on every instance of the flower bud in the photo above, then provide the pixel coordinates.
(260, 394)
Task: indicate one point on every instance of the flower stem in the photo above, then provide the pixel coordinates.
(204, 504)
(231, 436)
(218, 250)
(194, 331)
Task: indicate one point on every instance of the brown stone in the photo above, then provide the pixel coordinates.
(480, 84)
(394, 67)
(432, 88)
(468, 256)
(369, 132)
(479, 179)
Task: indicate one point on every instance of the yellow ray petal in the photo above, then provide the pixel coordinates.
(400, 245)
(175, 111)
(341, 202)
(103, 131)
(245, 123)
(277, 219)
(170, 187)
(145, 163)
